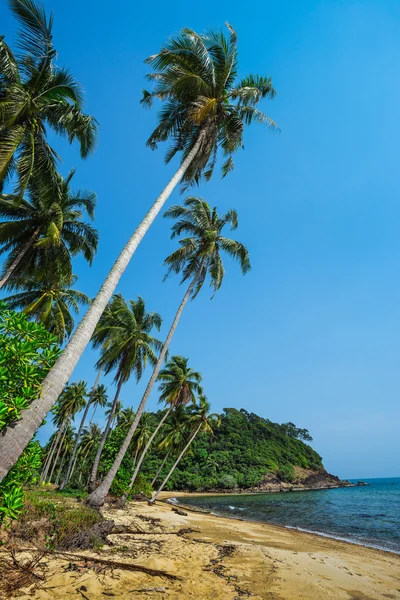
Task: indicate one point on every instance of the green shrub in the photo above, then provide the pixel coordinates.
(286, 473)
(27, 352)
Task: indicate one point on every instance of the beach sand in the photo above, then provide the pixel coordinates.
(221, 559)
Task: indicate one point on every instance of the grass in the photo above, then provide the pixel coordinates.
(56, 519)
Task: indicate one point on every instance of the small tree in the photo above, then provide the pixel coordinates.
(27, 352)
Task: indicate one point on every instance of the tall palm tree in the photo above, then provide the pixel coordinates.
(67, 447)
(174, 436)
(73, 400)
(179, 386)
(125, 417)
(36, 95)
(47, 229)
(69, 470)
(124, 336)
(99, 398)
(204, 110)
(198, 257)
(60, 416)
(90, 438)
(201, 420)
(114, 410)
(48, 301)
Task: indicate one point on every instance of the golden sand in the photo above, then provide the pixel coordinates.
(222, 559)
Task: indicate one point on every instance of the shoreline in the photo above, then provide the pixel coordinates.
(220, 558)
(169, 496)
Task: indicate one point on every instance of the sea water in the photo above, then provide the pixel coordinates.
(367, 515)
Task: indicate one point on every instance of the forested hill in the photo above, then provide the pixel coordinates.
(244, 450)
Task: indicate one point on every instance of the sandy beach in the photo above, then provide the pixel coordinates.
(218, 558)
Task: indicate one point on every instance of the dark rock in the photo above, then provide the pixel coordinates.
(178, 511)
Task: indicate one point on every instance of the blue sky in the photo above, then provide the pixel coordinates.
(311, 334)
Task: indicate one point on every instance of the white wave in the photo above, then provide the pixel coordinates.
(173, 500)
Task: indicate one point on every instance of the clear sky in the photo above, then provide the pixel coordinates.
(311, 334)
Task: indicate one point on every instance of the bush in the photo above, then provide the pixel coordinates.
(286, 473)
(27, 352)
(227, 482)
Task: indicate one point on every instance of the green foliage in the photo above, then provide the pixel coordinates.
(27, 352)
(61, 519)
(286, 473)
(242, 452)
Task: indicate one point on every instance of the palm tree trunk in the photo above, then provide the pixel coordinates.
(176, 464)
(49, 457)
(58, 454)
(97, 497)
(153, 435)
(161, 468)
(92, 417)
(18, 258)
(15, 439)
(74, 465)
(61, 466)
(78, 435)
(45, 471)
(93, 477)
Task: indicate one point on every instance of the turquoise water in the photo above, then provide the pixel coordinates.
(367, 515)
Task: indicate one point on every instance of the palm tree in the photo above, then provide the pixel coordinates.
(174, 438)
(200, 420)
(124, 335)
(67, 446)
(179, 386)
(204, 109)
(47, 229)
(99, 398)
(48, 301)
(115, 411)
(90, 437)
(198, 257)
(60, 417)
(69, 471)
(37, 95)
(125, 417)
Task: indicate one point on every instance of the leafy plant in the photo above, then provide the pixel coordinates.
(27, 352)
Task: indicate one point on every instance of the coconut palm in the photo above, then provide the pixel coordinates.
(197, 258)
(200, 420)
(115, 411)
(48, 301)
(36, 95)
(90, 438)
(125, 417)
(175, 435)
(60, 416)
(67, 447)
(204, 110)
(124, 336)
(179, 386)
(47, 229)
(69, 470)
(99, 398)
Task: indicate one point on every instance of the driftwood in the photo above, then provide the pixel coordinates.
(117, 565)
(112, 564)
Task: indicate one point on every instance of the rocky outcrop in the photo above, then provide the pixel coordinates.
(304, 479)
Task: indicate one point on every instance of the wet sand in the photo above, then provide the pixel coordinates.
(221, 558)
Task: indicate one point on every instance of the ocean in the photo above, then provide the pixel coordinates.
(368, 515)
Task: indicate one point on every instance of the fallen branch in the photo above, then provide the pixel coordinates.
(118, 565)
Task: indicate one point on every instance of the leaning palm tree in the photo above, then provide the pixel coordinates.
(201, 420)
(197, 258)
(179, 386)
(47, 229)
(174, 437)
(36, 95)
(124, 336)
(114, 410)
(205, 109)
(71, 463)
(48, 301)
(99, 398)
(60, 416)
